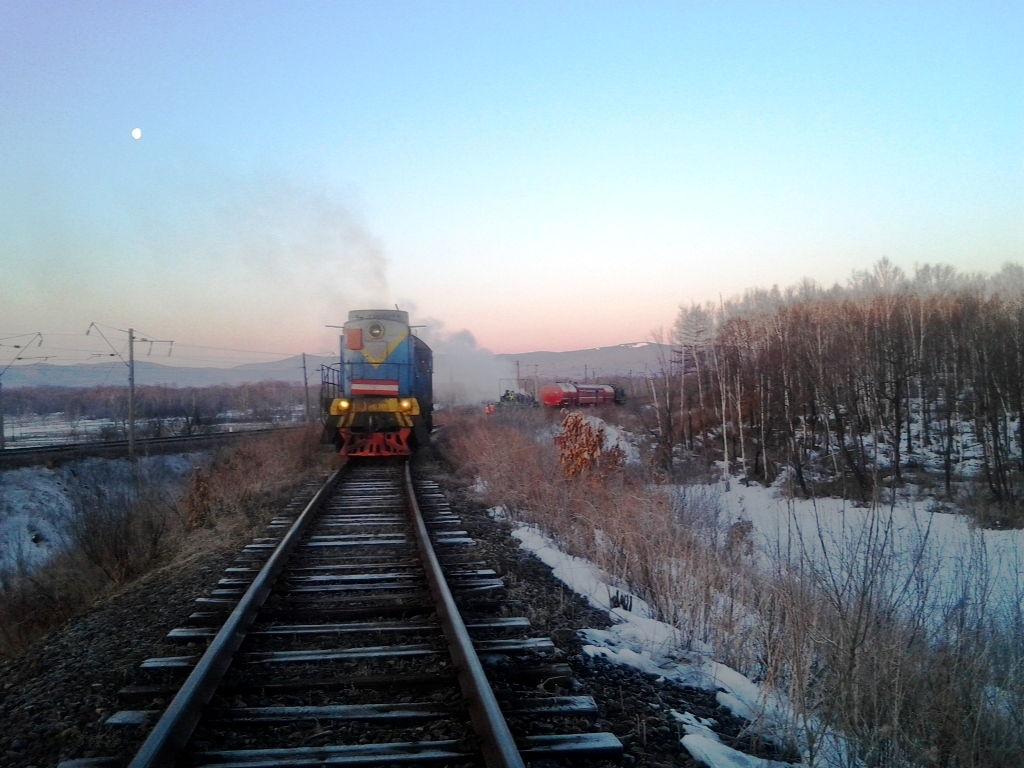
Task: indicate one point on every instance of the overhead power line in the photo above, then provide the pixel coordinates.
(33, 337)
(130, 362)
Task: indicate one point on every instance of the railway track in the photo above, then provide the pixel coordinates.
(11, 458)
(361, 631)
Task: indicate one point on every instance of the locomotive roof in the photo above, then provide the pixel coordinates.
(395, 315)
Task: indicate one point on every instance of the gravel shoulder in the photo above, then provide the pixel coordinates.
(54, 700)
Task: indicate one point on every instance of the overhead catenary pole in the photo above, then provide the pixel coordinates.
(305, 383)
(131, 394)
(17, 356)
(341, 345)
(130, 362)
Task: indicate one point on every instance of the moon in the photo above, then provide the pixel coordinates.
(137, 133)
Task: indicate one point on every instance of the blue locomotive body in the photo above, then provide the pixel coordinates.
(379, 400)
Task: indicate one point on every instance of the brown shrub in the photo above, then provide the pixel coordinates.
(120, 530)
(34, 600)
(241, 485)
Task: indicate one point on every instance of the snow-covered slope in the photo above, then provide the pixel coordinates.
(36, 502)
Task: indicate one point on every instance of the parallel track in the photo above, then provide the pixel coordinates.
(11, 458)
(319, 633)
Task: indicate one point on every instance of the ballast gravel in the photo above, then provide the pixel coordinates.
(54, 700)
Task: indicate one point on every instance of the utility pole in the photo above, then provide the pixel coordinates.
(305, 383)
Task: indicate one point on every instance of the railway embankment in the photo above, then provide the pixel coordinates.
(81, 531)
(55, 453)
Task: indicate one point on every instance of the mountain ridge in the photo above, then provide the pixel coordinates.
(595, 362)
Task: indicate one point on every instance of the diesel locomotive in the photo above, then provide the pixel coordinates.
(378, 401)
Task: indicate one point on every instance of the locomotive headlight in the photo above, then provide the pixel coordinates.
(405, 405)
(376, 330)
(340, 406)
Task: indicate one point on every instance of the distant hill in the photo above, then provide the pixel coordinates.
(620, 360)
(97, 374)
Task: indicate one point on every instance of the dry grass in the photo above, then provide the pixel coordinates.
(870, 654)
(119, 533)
(237, 490)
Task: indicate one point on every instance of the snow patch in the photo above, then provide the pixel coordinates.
(616, 437)
(713, 753)
(639, 641)
(951, 543)
(705, 745)
(35, 502)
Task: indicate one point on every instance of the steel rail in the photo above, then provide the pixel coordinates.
(14, 457)
(175, 726)
(498, 747)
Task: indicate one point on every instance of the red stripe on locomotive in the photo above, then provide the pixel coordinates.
(380, 387)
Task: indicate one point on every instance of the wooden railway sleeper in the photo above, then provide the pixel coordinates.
(350, 577)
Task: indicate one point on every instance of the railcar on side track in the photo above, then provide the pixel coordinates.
(570, 394)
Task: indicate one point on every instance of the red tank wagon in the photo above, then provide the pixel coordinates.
(565, 394)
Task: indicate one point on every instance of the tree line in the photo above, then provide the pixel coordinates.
(845, 387)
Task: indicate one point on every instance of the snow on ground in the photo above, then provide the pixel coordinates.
(636, 640)
(958, 556)
(35, 502)
(940, 553)
(711, 751)
(945, 546)
(34, 430)
(616, 437)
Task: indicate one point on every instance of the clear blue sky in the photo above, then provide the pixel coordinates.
(546, 175)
